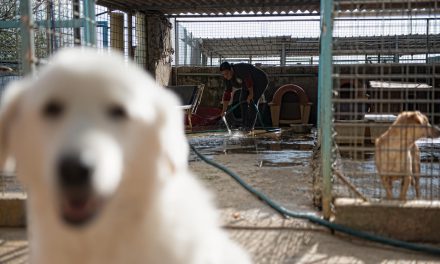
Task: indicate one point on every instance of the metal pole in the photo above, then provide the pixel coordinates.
(76, 15)
(90, 29)
(325, 117)
(176, 51)
(176, 41)
(185, 45)
(130, 35)
(49, 33)
(427, 41)
(283, 55)
(27, 37)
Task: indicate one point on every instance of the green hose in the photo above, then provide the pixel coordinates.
(260, 119)
(317, 220)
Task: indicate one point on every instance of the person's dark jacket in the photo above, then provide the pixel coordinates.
(245, 75)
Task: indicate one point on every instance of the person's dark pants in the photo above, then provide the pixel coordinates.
(249, 111)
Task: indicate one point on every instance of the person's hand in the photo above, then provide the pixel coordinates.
(224, 108)
(249, 98)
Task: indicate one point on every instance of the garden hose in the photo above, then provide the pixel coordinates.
(260, 119)
(318, 220)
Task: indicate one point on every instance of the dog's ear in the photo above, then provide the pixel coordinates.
(419, 118)
(9, 108)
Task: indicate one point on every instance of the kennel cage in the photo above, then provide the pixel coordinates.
(286, 47)
(67, 23)
(30, 31)
(277, 41)
(384, 57)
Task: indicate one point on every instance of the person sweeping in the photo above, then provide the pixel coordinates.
(253, 82)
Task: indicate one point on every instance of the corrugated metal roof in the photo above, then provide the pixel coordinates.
(272, 46)
(214, 7)
(171, 7)
(239, 47)
(384, 5)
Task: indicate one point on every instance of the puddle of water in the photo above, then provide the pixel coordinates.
(272, 149)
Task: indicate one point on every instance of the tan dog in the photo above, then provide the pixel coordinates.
(397, 155)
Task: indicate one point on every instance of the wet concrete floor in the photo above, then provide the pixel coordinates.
(278, 164)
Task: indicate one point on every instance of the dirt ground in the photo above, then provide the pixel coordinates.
(279, 166)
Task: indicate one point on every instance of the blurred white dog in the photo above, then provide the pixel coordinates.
(101, 151)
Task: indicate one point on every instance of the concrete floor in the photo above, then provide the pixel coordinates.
(280, 167)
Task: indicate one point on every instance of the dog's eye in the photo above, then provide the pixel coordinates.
(117, 112)
(53, 109)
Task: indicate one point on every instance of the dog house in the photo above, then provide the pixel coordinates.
(290, 105)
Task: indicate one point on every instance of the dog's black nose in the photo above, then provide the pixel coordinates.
(73, 172)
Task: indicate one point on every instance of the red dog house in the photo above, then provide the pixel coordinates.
(277, 103)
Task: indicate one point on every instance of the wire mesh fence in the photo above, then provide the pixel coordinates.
(385, 59)
(52, 25)
(286, 41)
(9, 53)
(384, 55)
(66, 23)
(267, 41)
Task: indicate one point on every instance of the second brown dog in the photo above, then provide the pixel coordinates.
(397, 155)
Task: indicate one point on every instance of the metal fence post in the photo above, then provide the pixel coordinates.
(325, 102)
(27, 37)
(176, 42)
(90, 27)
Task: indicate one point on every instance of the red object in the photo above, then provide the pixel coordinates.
(205, 116)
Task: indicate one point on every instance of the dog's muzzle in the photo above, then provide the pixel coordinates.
(79, 203)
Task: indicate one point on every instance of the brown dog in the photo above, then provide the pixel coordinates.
(397, 155)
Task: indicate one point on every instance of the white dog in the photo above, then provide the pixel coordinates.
(101, 151)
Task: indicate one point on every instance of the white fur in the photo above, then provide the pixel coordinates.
(153, 209)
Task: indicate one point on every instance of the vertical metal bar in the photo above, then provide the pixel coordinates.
(77, 30)
(130, 35)
(51, 18)
(86, 22)
(283, 54)
(427, 41)
(27, 37)
(325, 103)
(89, 16)
(146, 47)
(176, 47)
(176, 41)
(185, 45)
(105, 33)
(192, 49)
(49, 33)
